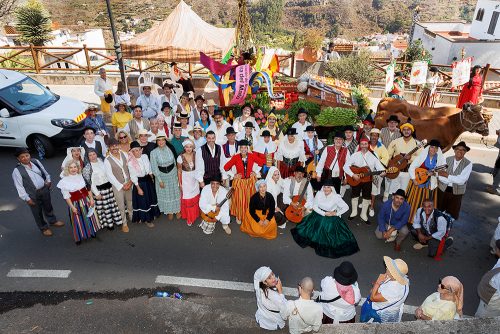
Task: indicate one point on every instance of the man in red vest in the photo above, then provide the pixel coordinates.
(331, 163)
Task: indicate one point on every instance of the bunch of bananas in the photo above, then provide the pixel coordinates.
(337, 117)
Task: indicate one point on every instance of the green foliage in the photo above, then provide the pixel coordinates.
(355, 68)
(361, 96)
(143, 25)
(467, 12)
(310, 38)
(261, 100)
(33, 23)
(337, 117)
(28, 60)
(399, 23)
(416, 52)
(266, 15)
(312, 108)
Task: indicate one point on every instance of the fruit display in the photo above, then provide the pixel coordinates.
(337, 117)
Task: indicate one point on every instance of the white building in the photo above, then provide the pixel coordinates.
(479, 39)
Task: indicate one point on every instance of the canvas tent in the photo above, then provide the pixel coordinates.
(180, 38)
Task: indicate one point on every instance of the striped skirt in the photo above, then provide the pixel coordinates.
(83, 227)
(106, 207)
(243, 190)
(416, 195)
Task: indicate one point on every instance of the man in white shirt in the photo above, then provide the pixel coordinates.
(363, 158)
(209, 161)
(302, 123)
(295, 186)
(331, 163)
(151, 105)
(170, 97)
(103, 88)
(33, 186)
(219, 127)
(452, 182)
(489, 290)
(213, 198)
(304, 315)
(90, 142)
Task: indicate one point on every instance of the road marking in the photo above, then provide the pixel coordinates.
(238, 286)
(38, 273)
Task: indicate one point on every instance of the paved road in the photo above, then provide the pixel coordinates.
(115, 261)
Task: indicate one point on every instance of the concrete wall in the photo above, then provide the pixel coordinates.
(483, 52)
(461, 26)
(438, 46)
(479, 28)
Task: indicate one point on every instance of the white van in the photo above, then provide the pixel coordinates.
(31, 115)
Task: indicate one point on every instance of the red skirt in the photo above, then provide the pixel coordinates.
(287, 171)
(190, 209)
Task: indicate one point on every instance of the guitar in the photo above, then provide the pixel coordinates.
(400, 162)
(365, 175)
(210, 217)
(422, 174)
(311, 167)
(295, 214)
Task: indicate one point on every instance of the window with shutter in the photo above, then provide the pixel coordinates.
(493, 23)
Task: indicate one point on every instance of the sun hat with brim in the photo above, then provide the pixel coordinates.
(462, 144)
(161, 137)
(375, 130)
(142, 132)
(345, 273)
(197, 127)
(398, 269)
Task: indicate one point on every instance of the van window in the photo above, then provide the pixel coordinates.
(27, 96)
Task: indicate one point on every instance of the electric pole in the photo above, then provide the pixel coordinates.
(117, 45)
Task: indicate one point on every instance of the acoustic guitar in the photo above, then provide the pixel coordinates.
(422, 174)
(400, 162)
(365, 175)
(210, 217)
(295, 214)
(311, 166)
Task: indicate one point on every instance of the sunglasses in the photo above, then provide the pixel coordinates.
(443, 287)
(122, 137)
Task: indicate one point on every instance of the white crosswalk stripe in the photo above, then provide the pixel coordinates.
(38, 273)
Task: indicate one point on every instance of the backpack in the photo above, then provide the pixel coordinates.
(437, 213)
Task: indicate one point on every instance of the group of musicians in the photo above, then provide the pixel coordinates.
(294, 177)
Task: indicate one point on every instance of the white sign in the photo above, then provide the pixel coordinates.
(461, 72)
(389, 77)
(418, 73)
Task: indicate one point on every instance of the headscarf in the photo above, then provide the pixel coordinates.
(258, 183)
(134, 162)
(457, 289)
(273, 187)
(260, 276)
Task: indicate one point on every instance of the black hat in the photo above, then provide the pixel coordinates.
(134, 144)
(345, 274)
(339, 134)
(291, 131)
(230, 130)
(217, 112)
(21, 150)
(199, 97)
(301, 111)
(393, 118)
(183, 115)
(88, 128)
(463, 144)
(266, 133)
(328, 182)
(249, 125)
(434, 142)
(216, 178)
(108, 98)
(400, 192)
(165, 105)
(173, 63)
(309, 128)
(168, 84)
(399, 74)
(243, 142)
(300, 169)
(433, 69)
(369, 118)
(349, 128)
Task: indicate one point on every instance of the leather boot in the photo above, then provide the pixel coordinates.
(354, 208)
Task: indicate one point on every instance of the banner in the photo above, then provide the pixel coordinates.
(214, 66)
(419, 73)
(389, 77)
(242, 76)
(461, 72)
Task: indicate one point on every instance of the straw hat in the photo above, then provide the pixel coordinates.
(197, 127)
(397, 268)
(142, 132)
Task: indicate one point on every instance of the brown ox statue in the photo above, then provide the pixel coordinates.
(393, 105)
(446, 129)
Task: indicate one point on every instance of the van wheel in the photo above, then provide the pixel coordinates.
(42, 146)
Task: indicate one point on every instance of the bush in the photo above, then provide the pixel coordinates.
(360, 95)
(337, 117)
(312, 108)
(33, 23)
(355, 68)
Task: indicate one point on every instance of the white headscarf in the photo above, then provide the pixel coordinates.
(260, 276)
(273, 187)
(260, 146)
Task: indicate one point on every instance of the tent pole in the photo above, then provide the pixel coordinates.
(117, 45)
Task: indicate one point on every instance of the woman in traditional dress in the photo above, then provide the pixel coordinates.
(204, 121)
(429, 93)
(73, 153)
(190, 189)
(445, 304)
(164, 167)
(259, 219)
(398, 86)
(105, 204)
(239, 123)
(430, 157)
(124, 140)
(184, 105)
(166, 119)
(247, 170)
(324, 229)
(290, 153)
(274, 184)
(249, 134)
(270, 299)
(144, 200)
(84, 222)
(473, 90)
(143, 140)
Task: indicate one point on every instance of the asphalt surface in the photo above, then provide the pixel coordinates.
(114, 261)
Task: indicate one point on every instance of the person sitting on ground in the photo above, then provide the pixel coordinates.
(270, 299)
(488, 290)
(303, 314)
(392, 220)
(445, 304)
(259, 220)
(340, 294)
(429, 228)
(211, 197)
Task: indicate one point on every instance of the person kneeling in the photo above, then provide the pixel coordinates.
(259, 219)
(392, 220)
(214, 206)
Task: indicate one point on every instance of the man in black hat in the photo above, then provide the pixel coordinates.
(349, 141)
(169, 96)
(290, 153)
(452, 183)
(312, 145)
(391, 131)
(265, 149)
(301, 123)
(90, 142)
(219, 127)
(231, 146)
(178, 76)
(249, 134)
(331, 163)
(294, 186)
(393, 219)
(33, 183)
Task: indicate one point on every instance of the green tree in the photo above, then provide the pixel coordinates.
(266, 15)
(355, 68)
(33, 23)
(417, 52)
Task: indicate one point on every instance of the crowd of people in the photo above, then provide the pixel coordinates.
(182, 158)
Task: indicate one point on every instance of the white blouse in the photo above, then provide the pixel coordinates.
(338, 310)
(98, 176)
(291, 151)
(267, 308)
(332, 202)
(70, 183)
(144, 169)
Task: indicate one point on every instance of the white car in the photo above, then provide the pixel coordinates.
(31, 115)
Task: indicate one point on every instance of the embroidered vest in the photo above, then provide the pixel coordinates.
(484, 289)
(457, 189)
(185, 165)
(330, 157)
(134, 128)
(117, 169)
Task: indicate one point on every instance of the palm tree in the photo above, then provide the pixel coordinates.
(33, 23)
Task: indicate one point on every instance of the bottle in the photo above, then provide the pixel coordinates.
(177, 295)
(162, 294)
